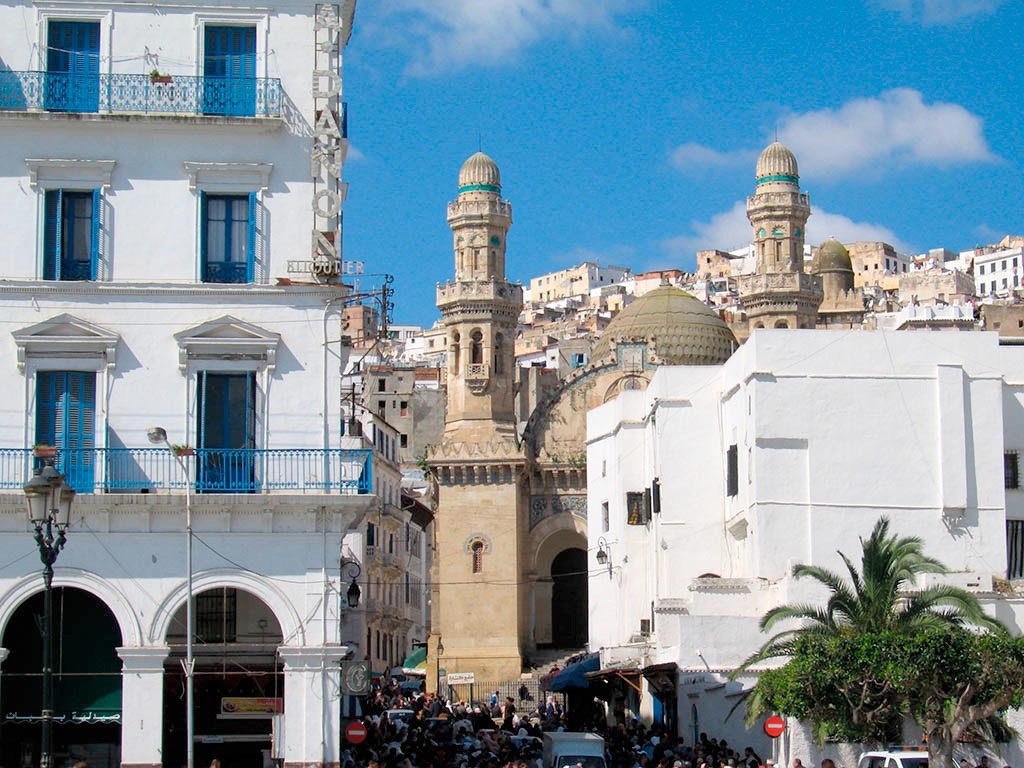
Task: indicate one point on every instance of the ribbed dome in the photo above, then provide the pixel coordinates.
(832, 257)
(684, 330)
(777, 163)
(479, 173)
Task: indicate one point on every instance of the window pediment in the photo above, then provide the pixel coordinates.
(66, 336)
(51, 173)
(227, 338)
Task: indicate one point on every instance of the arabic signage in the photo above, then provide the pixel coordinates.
(250, 706)
(461, 678)
(76, 718)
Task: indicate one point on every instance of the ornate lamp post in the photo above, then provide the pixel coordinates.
(352, 569)
(49, 510)
(156, 436)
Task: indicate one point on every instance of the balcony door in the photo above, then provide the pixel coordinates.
(227, 432)
(66, 418)
(229, 71)
(73, 66)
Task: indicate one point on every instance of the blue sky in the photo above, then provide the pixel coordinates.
(626, 131)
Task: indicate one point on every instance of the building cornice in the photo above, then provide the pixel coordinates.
(69, 288)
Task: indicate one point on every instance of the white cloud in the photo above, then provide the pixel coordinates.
(941, 12)
(872, 134)
(730, 230)
(442, 35)
(694, 157)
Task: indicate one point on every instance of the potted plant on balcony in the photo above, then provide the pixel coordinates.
(43, 451)
(183, 450)
(155, 76)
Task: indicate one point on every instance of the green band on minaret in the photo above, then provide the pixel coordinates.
(779, 177)
(479, 188)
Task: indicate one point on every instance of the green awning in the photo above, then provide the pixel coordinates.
(415, 661)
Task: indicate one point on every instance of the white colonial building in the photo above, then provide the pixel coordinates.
(706, 488)
(170, 177)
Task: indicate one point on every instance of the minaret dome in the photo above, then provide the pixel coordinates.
(777, 163)
(479, 174)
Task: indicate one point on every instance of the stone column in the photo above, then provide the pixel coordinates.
(312, 706)
(142, 705)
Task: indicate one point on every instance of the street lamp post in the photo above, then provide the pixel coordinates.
(437, 671)
(49, 509)
(156, 436)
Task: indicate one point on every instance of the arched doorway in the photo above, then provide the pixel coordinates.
(86, 682)
(569, 599)
(238, 683)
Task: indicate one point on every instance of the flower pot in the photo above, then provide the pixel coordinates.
(160, 79)
(184, 451)
(45, 451)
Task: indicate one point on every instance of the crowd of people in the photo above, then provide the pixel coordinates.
(428, 731)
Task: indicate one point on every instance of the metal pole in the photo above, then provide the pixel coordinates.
(190, 725)
(47, 709)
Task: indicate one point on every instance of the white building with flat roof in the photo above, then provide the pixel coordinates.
(705, 488)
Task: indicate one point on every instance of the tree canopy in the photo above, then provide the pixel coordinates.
(880, 650)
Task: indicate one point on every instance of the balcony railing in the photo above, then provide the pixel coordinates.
(107, 93)
(215, 470)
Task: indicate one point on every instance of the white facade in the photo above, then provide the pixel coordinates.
(785, 454)
(997, 272)
(170, 178)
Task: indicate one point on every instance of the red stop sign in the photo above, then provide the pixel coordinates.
(774, 726)
(355, 732)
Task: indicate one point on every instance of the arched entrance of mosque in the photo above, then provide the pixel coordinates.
(569, 599)
(238, 681)
(86, 681)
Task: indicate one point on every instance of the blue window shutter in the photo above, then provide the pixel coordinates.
(47, 399)
(81, 410)
(94, 254)
(52, 234)
(202, 236)
(250, 264)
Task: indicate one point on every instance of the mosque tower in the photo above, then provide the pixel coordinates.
(478, 602)
(779, 294)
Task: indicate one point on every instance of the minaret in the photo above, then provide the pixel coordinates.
(480, 309)
(478, 602)
(779, 294)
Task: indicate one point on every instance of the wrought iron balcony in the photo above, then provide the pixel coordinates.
(214, 470)
(145, 94)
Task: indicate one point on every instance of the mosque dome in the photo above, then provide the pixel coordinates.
(832, 257)
(683, 329)
(777, 163)
(479, 174)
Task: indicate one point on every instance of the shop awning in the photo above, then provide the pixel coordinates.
(574, 675)
(662, 678)
(415, 662)
(630, 675)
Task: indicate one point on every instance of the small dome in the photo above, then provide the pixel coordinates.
(684, 330)
(479, 174)
(777, 163)
(832, 257)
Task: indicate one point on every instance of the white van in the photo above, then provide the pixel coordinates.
(894, 758)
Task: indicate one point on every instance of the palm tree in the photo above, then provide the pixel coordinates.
(875, 599)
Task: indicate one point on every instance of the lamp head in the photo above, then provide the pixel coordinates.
(156, 435)
(352, 595)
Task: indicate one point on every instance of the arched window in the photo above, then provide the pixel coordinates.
(476, 349)
(478, 556)
(498, 353)
(781, 324)
(455, 351)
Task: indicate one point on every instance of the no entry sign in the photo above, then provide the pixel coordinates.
(355, 732)
(774, 726)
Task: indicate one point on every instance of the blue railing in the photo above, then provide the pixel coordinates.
(179, 95)
(215, 470)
